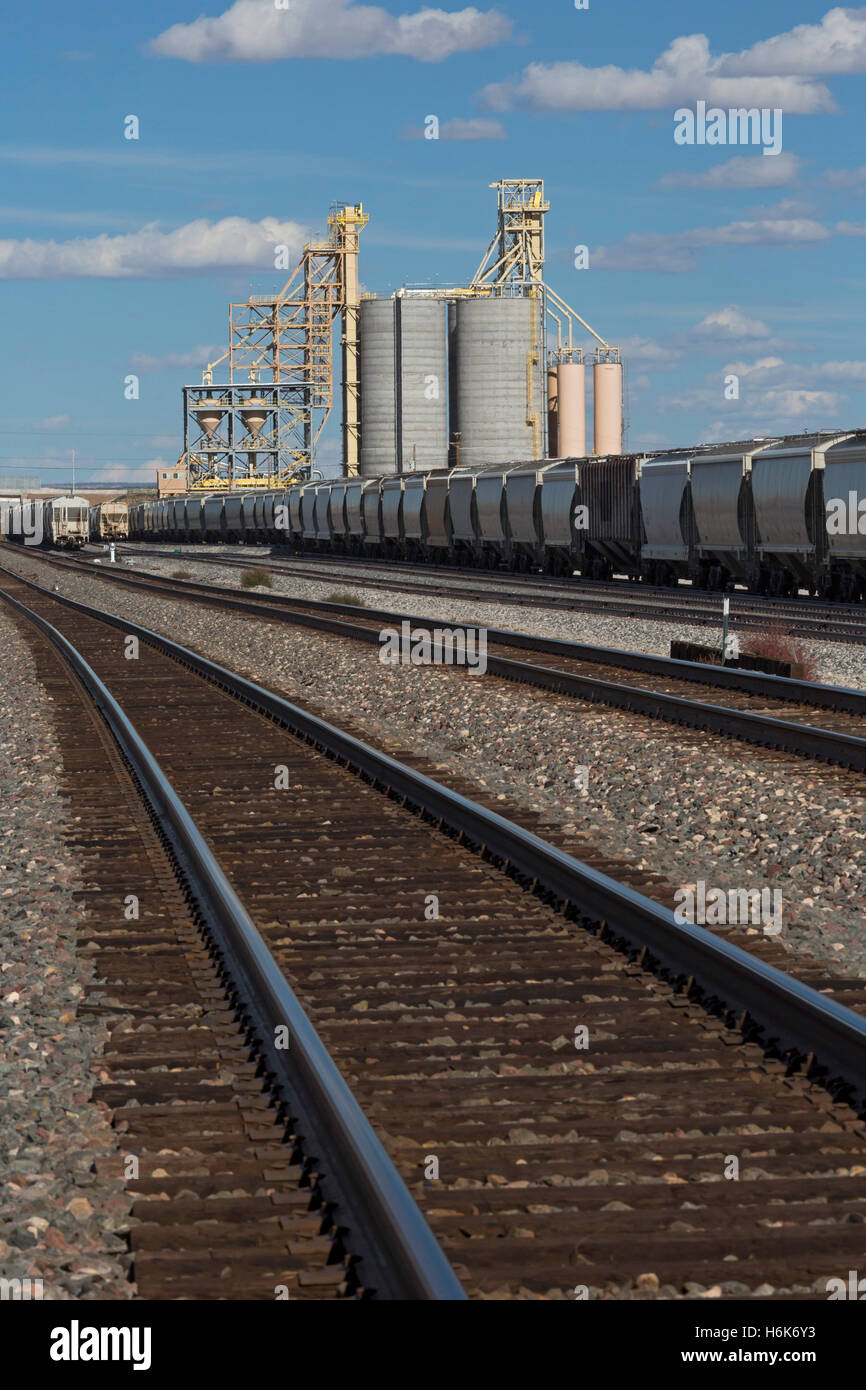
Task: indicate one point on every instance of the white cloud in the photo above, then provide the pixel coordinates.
(763, 369)
(481, 128)
(52, 422)
(855, 179)
(840, 372)
(128, 473)
(730, 322)
(767, 371)
(685, 72)
(639, 351)
(743, 171)
(678, 251)
(196, 247)
(836, 45)
(795, 403)
(775, 406)
(256, 31)
(171, 361)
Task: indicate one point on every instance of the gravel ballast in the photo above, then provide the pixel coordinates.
(837, 663)
(685, 804)
(60, 1221)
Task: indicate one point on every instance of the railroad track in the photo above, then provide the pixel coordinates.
(541, 1168)
(827, 723)
(810, 618)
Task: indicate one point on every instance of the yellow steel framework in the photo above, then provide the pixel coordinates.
(280, 358)
(287, 339)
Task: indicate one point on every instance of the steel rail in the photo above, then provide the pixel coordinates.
(617, 599)
(759, 683)
(765, 731)
(756, 605)
(392, 1234)
(791, 1016)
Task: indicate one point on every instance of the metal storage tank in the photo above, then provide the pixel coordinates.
(421, 384)
(501, 380)
(378, 424)
(607, 405)
(404, 385)
(571, 398)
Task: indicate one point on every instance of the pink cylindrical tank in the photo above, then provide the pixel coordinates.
(552, 414)
(607, 417)
(572, 409)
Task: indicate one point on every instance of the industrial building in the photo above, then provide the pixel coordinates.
(473, 375)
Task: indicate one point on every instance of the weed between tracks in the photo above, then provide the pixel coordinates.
(181, 574)
(778, 644)
(339, 597)
(257, 578)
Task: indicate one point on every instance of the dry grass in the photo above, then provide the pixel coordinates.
(257, 578)
(779, 645)
(339, 596)
(181, 574)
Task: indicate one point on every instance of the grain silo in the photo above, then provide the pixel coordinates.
(501, 380)
(404, 385)
(378, 429)
(607, 402)
(571, 393)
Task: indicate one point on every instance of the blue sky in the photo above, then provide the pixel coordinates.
(121, 256)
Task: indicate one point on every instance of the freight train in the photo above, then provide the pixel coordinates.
(59, 521)
(109, 521)
(772, 515)
(66, 522)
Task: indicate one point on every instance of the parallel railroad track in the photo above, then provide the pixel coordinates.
(557, 1169)
(822, 722)
(809, 618)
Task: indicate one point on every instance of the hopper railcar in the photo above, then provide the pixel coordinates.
(758, 513)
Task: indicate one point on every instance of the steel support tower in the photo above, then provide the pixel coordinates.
(262, 427)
